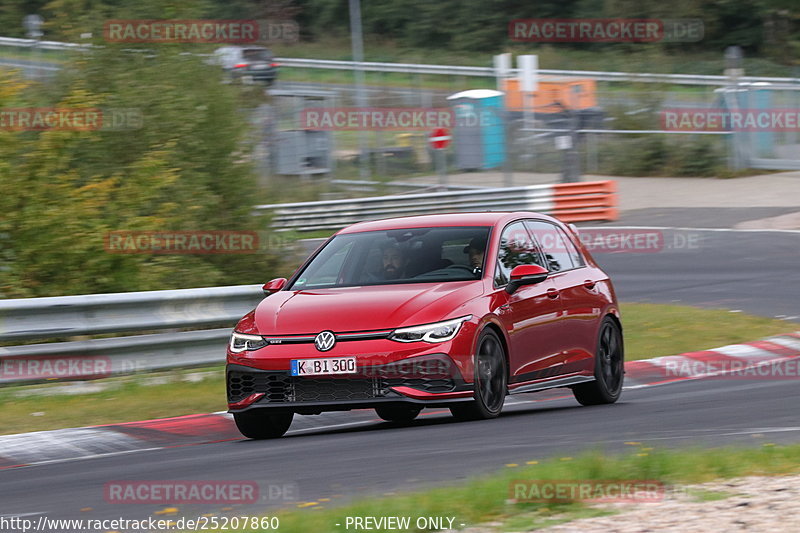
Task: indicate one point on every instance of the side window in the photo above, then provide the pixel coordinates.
(516, 248)
(558, 250)
(577, 258)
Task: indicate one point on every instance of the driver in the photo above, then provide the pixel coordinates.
(395, 262)
(475, 250)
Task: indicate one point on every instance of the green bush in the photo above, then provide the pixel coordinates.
(696, 157)
(187, 167)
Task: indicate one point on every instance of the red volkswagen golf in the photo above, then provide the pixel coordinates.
(453, 311)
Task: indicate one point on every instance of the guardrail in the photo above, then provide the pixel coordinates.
(571, 202)
(94, 314)
(456, 70)
(489, 72)
(65, 317)
(41, 45)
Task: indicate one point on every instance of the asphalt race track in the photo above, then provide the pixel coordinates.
(339, 455)
(752, 271)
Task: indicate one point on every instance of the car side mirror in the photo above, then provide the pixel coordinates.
(274, 285)
(525, 275)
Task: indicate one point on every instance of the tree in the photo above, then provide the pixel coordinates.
(186, 168)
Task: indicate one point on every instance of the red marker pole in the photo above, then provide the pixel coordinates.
(440, 139)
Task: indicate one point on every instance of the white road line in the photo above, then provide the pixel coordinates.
(346, 424)
(88, 457)
(679, 228)
(710, 433)
(645, 385)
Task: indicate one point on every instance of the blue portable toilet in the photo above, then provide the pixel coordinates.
(479, 128)
(752, 97)
(761, 99)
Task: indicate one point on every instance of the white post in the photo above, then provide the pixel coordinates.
(502, 69)
(441, 162)
(528, 83)
(357, 43)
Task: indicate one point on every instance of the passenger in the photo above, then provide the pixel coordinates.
(476, 249)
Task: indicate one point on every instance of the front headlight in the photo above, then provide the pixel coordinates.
(241, 342)
(438, 332)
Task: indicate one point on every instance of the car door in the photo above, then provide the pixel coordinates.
(531, 315)
(575, 283)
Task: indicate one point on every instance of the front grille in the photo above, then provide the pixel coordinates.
(279, 387)
(331, 389)
(275, 385)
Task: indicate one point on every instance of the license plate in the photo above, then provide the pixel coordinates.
(258, 66)
(329, 365)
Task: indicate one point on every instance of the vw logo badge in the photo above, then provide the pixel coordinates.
(324, 341)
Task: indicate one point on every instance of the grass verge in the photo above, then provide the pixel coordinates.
(127, 399)
(487, 499)
(651, 330)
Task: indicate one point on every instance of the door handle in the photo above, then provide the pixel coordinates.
(589, 284)
(552, 293)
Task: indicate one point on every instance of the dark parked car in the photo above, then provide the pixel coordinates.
(247, 63)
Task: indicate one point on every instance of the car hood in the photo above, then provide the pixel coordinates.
(361, 308)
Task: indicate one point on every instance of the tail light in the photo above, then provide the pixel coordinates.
(240, 65)
(275, 64)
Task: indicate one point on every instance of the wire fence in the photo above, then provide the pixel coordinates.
(621, 135)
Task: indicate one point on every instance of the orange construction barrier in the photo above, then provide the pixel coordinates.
(581, 202)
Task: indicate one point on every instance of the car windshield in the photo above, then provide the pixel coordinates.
(413, 255)
(256, 54)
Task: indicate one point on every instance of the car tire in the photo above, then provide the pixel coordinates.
(609, 365)
(398, 413)
(491, 381)
(261, 424)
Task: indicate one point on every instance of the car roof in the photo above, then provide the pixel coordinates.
(485, 218)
